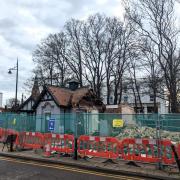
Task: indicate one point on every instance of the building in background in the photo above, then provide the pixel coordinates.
(147, 102)
(27, 105)
(63, 105)
(1, 99)
(130, 98)
(10, 103)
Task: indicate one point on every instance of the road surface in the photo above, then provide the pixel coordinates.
(15, 169)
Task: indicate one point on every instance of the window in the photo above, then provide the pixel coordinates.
(125, 99)
(125, 89)
(47, 118)
(152, 109)
(111, 100)
(47, 96)
(151, 97)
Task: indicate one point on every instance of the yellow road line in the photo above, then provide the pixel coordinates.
(62, 167)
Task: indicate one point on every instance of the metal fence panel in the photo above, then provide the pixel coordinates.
(98, 124)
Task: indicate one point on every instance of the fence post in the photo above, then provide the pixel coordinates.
(176, 156)
(158, 140)
(11, 142)
(75, 157)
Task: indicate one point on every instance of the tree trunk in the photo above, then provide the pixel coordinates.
(108, 91)
(115, 95)
(155, 108)
(120, 92)
(173, 97)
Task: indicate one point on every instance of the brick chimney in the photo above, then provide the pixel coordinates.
(35, 90)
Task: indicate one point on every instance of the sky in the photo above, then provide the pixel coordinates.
(24, 23)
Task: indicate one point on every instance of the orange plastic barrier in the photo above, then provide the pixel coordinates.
(167, 153)
(5, 132)
(104, 147)
(60, 143)
(1, 132)
(34, 140)
(146, 150)
(178, 150)
(11, 131)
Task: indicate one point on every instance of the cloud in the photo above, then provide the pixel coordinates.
(23, 23)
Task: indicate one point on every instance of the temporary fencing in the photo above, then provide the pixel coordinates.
(2, 133)
(34, 140)
(11, 131)
(130, 149)
(92, 123)
(62, 143)
(47, 149)
(178, 150)
(139, 150)
(5, 132)
(104, 147)
(167, 153)
(146, 150)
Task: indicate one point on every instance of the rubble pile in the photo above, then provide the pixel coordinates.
(147, 132)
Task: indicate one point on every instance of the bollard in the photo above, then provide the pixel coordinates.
(75, 149)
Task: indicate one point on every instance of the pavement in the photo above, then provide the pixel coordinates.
(96, 165)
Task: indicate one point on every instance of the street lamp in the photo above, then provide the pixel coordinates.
(10, 72)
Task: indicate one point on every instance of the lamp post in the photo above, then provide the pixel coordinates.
(10, 72)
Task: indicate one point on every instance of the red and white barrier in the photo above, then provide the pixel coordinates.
(104, 147)
(139, 150)
(3, 134)
(131, 149)
(146, 150)
(62, 143)
(34, 140)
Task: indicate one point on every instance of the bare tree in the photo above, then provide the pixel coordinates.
(125, 43)
(45, 64)
(49, 57)
(93, 50)
(155, 21)
(153, 71)
(59, 46)
(135, 82)
(73, 30)
(109, 48)
(114, 31)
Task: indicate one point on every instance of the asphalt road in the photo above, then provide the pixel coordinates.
(14, 169)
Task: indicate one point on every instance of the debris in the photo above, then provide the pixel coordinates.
(148, 132)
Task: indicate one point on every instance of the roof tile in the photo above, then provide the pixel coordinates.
(66, 97)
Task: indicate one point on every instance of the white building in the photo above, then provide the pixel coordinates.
(147, 102)
(1, 99)
(128, 97)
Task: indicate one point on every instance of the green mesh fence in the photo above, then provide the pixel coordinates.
(18, 122)
(100, 124)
